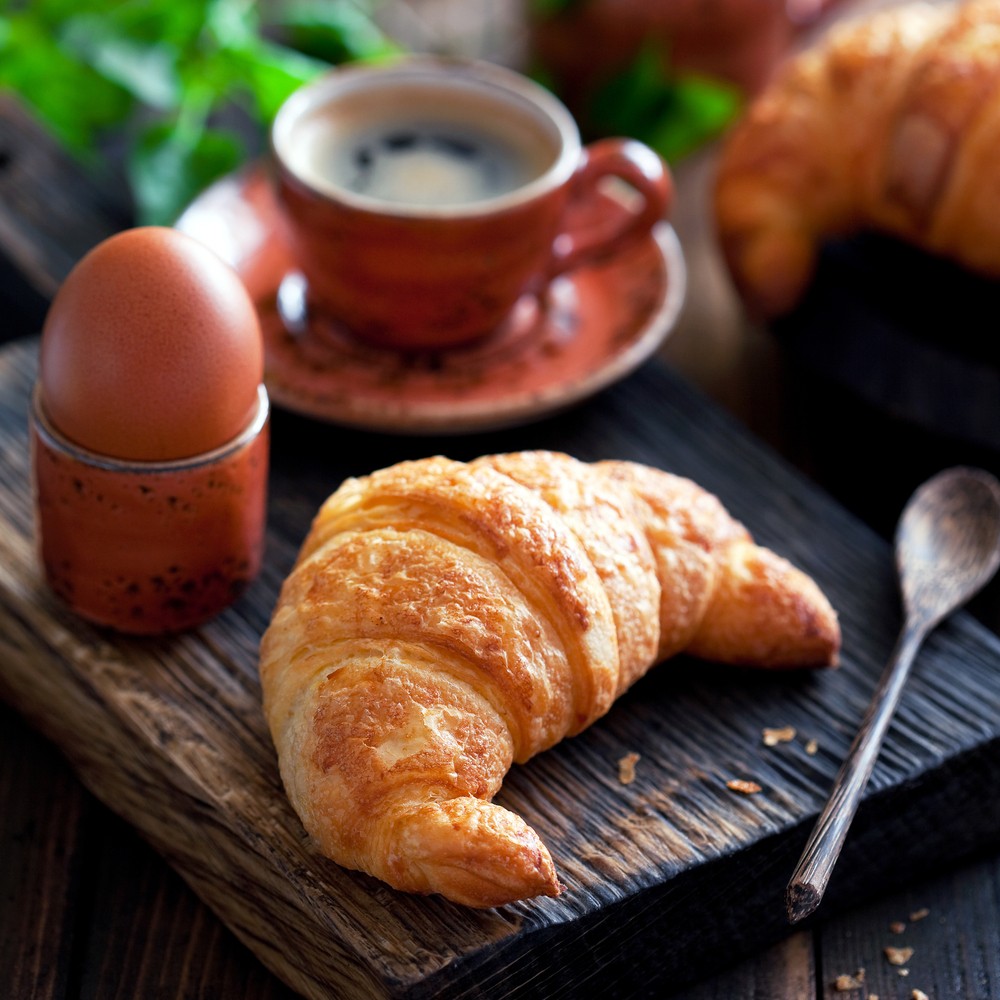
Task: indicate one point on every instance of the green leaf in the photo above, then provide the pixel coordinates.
(161, 75)
(147, 71)
(176, 25)
(548, 8)
(270, 73)
(332, 32)
(74, 100)
(168, 168)
(700, 110)
(675, 114)
(232, 23)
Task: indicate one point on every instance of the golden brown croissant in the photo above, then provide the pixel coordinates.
(445, 619)
(890, 123)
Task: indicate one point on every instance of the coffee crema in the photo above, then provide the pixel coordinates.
(420, 157)
(428, 163)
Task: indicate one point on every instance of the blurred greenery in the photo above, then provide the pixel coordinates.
(545, 7)
(673, 113)
(183, 88)
(176, 93)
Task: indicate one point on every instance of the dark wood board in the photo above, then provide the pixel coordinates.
(663, 875)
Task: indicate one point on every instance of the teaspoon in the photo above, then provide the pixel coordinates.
(947, 548)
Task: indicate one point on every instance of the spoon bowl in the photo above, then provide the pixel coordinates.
(948, 542)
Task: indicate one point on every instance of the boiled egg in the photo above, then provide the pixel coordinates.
(151, 349)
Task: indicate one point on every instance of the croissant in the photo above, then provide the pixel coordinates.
(890, 123)
(445, 619)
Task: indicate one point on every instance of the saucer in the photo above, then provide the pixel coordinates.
(594, 327)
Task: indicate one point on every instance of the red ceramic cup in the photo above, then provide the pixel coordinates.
(424, 197)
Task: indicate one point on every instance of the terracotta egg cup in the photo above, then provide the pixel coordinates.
(150, 547)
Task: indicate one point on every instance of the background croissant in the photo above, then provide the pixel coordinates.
(445, 619)
(890, 123)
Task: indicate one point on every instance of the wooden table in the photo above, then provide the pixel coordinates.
(88, 910)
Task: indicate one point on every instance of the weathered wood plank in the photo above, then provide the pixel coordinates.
(672, 868)
(949, 922)
(152, 937)
(43, 858)
(785, 971)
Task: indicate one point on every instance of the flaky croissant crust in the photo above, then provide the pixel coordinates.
(891, 122)
(445, 619)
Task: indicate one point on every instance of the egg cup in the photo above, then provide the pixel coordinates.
(150, 547)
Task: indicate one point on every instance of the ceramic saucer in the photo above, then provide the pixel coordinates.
(595, 327)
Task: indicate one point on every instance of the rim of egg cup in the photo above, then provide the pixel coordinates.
(55, 439)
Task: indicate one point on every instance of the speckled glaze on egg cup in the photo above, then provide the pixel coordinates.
(150, 547)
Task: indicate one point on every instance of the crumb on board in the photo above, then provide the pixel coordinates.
(845, 983)
(742, 786)
(919, 995)
(811, 747)
(919, 914)
(897, 927)
(903, 972)
(626, 768)
(772, 737)
(898, 956)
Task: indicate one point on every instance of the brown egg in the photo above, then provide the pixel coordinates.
(151, 349)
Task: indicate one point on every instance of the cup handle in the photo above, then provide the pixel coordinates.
(641, 169)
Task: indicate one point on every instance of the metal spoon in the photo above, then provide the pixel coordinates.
(947, 548)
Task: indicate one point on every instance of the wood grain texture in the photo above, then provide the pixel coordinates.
(41, 849)
(784, 971)
(949, 922)
(673, 866)
(154, 939)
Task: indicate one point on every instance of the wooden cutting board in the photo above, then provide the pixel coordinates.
(667, 877)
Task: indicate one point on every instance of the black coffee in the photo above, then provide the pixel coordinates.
(428, 163)
(417, 147)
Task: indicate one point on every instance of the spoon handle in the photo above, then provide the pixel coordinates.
(808, 883)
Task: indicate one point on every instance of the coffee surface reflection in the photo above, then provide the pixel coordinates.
(429, 163)
(427, 156)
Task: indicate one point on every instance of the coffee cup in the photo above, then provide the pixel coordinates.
(425, 197)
